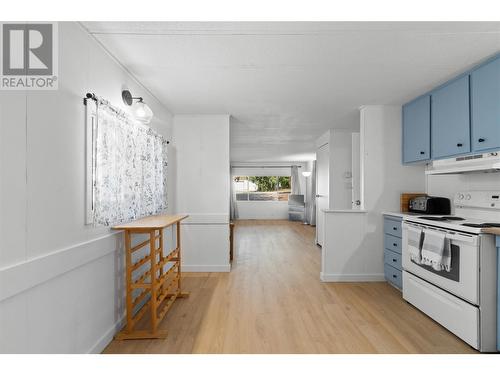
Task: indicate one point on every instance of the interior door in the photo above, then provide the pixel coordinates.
(356, 172)
(322, 189)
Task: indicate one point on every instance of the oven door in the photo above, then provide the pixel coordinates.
(463, 279)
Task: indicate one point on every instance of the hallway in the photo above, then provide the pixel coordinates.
(273, 302)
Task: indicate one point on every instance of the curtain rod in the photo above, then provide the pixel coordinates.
(265, 166)
(99, 100)
(116, 110)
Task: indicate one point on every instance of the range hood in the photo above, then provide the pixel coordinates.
(489, 162)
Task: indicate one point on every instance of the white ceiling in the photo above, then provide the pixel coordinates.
(286, 83)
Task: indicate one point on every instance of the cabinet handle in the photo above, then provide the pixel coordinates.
(394, 244)
(394, 276)
(394, 228)
(422, 152)
(481, 140)
(459, 145)
(394, 260)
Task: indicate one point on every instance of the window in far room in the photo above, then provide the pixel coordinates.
(262, 188)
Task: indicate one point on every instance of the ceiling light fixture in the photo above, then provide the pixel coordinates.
(140, 110)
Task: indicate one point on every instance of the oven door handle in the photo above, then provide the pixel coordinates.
(450, 236)
(460, 238)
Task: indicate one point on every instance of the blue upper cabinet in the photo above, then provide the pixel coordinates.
(485, 106)
(450, 119)
(417, 130)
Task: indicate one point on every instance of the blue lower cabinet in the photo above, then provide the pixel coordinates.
(498, 293)
(393, 259)
(392, 226)
(393, 276)
(393, 243)
(392, 250)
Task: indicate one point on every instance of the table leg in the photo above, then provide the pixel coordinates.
(152, 250)
(180, 293)
(128, 281)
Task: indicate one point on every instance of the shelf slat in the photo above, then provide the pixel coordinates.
(166, 290)
(140, 314)
(140, 297)
(167, 307)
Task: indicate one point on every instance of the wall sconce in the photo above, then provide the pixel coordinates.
(306, 174)
(140, 110)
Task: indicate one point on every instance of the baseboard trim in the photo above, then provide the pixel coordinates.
(206, 268)
(350, 277)
(105, 339)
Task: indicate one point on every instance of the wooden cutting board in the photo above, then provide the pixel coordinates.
(405, 200)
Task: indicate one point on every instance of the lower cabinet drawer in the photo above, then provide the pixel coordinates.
(393, 276)
(392, 226)
(393, 259)
(459, 317)
(392, 243)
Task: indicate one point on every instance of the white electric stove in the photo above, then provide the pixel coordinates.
(462, 299)
(474, 210)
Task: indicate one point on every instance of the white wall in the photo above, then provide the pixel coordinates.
(353, 243)
(200, 148)
(448, 185)
(340, 164)
(61, 285)
(266, 210)
(383, 177)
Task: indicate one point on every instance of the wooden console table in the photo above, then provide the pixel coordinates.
(161, 285)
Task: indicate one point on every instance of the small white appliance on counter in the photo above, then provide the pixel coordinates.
(462, 299)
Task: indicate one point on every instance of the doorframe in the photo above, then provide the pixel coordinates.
(318, 211)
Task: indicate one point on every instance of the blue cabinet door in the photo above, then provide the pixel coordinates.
(450, 119)
(417, 130)
(485, 105)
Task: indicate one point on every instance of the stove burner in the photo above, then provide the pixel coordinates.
(482, 225)
(441, 218)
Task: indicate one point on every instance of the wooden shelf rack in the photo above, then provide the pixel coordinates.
(159, 284)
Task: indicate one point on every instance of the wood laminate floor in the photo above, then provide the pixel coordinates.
(273, 302)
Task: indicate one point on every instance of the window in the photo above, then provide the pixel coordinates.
(262, 188)
(126, 167)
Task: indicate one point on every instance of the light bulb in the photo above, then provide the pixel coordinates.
(142, 112)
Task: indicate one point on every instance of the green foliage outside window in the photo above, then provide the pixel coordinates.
(270, 183)
(262, 188)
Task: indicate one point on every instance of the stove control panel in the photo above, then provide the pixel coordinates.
(477, 199)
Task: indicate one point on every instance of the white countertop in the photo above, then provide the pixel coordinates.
(347, 211)
(401, 214)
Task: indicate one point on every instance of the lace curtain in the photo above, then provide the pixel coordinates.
(295, 179)
(130, 169)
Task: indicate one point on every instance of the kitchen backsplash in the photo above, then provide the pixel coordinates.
(447, 185)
